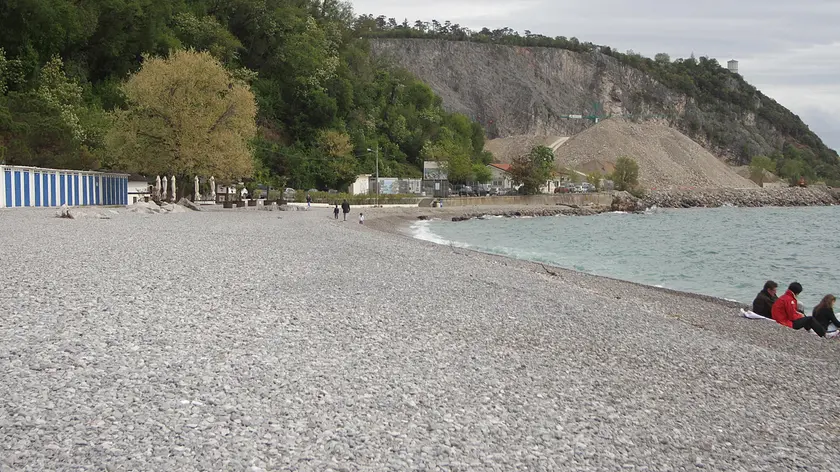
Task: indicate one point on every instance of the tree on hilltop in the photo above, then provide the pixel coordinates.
(186, 116)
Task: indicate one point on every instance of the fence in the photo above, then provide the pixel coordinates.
(36, 187)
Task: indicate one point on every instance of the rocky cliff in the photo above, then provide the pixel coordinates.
(514, 90)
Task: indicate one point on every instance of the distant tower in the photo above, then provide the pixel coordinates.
(732, 66)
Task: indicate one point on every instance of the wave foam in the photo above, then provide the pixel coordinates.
(422, 230)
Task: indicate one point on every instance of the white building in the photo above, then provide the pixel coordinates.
(361, 186)
(501, 176)
(138, 188)
(732, 66)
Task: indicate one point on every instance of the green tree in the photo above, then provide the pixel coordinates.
(626, 174)
(533, 169)
(758, 166)
(458, 168)
(594, 178)
(186, 116)
(341, 166)
(207, 34)
(481, 173)
(793, 170)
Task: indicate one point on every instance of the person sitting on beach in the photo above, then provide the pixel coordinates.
(824, 312)
(785, 312)
(763, 303)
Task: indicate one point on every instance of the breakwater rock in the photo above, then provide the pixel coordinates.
(531, 212)
(759, 197)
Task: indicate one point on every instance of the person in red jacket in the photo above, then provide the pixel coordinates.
(785, 313)
(784, 308)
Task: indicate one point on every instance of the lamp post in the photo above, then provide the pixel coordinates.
(376, 197)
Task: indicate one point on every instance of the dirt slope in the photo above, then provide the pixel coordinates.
(506, 149)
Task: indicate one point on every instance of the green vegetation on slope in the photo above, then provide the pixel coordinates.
(721, 99)
(322, 101)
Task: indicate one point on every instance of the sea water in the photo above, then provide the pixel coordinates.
(723, 252)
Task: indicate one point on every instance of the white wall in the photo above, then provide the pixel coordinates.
(500, 178)
(137, 190)
(361, 186)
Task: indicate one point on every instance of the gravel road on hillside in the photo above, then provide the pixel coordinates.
(254, 340)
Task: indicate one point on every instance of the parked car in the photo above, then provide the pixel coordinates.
(289, 194)
(466, 191)
(482, 190)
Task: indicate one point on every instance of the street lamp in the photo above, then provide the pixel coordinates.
(376, 198)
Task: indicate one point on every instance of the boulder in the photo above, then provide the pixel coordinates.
(172, 208)
(188, 204)
(144, 208)
(69, 213)
(623, 201)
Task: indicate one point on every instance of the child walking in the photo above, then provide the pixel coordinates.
(335, 211)
(361, 218)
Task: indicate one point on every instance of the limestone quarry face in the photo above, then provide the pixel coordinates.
(524, 91)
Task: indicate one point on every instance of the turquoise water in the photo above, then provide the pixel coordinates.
(722, 252)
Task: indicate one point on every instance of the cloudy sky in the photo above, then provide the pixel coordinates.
(790, 50)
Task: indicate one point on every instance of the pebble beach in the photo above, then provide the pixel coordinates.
(268, 340)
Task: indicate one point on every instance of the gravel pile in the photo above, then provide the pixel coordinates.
(666, 157)
(248, 340)
(507, 149)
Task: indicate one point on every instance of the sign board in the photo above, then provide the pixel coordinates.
(433, 170)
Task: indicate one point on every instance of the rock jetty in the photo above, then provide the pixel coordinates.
(759, 197)
(538, 211)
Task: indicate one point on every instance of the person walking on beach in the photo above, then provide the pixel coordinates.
(785, 312)
(335, 211)
(308, 201)
(345, 208)
(763, 303)
(361, 218)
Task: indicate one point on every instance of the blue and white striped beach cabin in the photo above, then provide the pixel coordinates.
(36, 187)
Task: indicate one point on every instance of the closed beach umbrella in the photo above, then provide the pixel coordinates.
(172, 190)
(157, 187)
(163, 193)
(195, 189)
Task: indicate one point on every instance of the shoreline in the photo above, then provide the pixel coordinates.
(399, 224)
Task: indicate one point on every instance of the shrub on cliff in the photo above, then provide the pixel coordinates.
(758, 166)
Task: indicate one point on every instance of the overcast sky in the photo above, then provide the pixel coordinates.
(790, 50)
